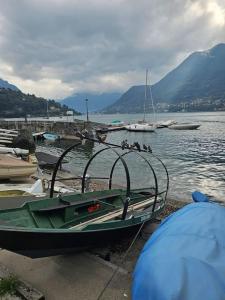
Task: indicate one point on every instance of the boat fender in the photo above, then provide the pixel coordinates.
(199, 197)
(94, 207)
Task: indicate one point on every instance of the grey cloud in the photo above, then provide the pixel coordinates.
(80, 40)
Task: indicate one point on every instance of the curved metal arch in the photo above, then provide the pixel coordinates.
(167, 173)
(119, 158)
(113, 167)
(154, 175)
(57, 166)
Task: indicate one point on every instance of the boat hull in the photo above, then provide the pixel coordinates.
(43, 244)
(11, 167)
(184, 126)
(140, 128)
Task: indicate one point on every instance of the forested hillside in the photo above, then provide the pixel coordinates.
(17, 104)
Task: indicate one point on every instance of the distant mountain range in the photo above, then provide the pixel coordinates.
(5, 85)
(96, 102)
(199, 79)
(198, 83)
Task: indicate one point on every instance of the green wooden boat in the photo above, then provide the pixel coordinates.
(57, 225)
(66, 223)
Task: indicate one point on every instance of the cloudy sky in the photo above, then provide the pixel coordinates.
(54, 48)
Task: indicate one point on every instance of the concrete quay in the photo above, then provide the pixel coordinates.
(78, 276)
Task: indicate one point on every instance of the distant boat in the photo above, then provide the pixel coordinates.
(140, 127)
(43, 135)
(116, 123)
(51, 136)
(185, 126)
(143, 126)
(163, 124)
(7, 136)
(12, 167)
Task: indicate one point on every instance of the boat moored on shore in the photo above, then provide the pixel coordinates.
(14, 167)
(67, 223)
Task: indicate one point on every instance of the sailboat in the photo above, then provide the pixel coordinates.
(143, 126)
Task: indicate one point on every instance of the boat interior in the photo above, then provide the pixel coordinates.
(72, 210)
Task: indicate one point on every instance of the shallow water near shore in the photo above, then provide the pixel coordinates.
(195, 159)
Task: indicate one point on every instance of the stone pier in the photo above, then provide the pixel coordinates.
(62, 128)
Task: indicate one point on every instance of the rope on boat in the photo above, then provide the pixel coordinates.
(122, 261)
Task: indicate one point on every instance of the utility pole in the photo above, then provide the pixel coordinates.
(47, 109)
(87, 109)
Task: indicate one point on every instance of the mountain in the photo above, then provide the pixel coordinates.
(14, 103)
(200, 79)
(5, 85)
(96, 102)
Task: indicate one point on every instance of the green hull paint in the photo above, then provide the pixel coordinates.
(72, 210)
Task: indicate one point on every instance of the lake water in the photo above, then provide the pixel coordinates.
(195, 159)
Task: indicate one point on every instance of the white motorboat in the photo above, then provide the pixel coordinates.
(185, 126)
(13, 167)
(7, 136)
(18, 189)
(16, 151)
(140, 127)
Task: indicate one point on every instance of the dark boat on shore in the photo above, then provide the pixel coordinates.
(58, 225)
(47, 160)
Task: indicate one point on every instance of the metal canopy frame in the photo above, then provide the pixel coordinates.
(154, 175)
(120, 157)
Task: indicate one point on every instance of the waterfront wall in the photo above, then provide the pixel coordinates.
(58, 127)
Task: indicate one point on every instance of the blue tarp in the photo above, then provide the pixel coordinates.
(185, 258)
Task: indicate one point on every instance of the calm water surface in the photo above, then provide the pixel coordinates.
(195, 159)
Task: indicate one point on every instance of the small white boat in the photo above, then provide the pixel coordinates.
(184, 126)
(17, 151)
(18, 189)
(37, 189)
(163, 124)
(140, 127)
(43, 135)
(3, 141)
(13, 167)
(51, 136)
(9, 131)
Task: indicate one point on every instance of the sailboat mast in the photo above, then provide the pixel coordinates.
(153, 107)
(146, 81)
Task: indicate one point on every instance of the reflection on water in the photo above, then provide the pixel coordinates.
(85, 150)
(195, 159)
